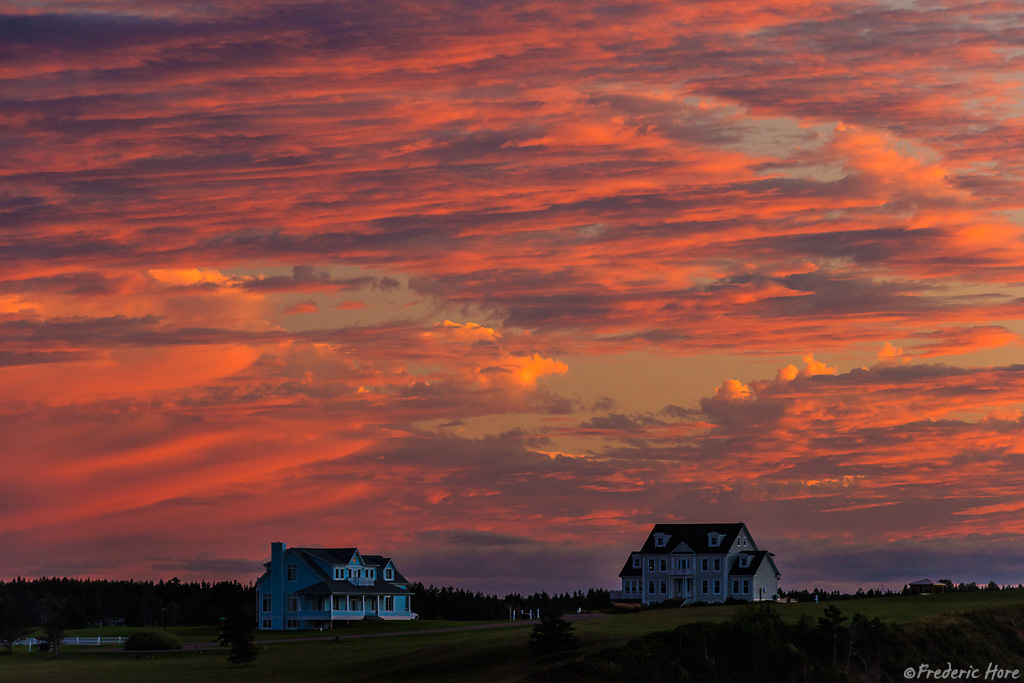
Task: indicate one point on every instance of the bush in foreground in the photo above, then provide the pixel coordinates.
(152, 640)
(553, 636)
(237, 635)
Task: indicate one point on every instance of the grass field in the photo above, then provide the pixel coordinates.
(422, 651)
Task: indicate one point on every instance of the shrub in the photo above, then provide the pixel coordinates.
(553, 636)
(152, 640)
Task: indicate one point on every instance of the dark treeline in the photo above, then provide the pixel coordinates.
(85, 602)
(757, 645)
(805, 595)
(460, 605)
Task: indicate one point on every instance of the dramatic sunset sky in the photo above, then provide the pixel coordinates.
(493, 287)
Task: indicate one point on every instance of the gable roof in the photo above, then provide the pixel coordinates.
(925, 582)
(330, 555)
(694, 536)
(629, 570)
(757, 558)
(342, 556)
(383, 562)
(342, 587)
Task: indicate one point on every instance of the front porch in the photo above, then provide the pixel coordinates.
(324, 611)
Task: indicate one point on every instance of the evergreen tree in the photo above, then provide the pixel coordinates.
(553, 636)
(237, 634)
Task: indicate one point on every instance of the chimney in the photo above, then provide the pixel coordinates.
(277, 583)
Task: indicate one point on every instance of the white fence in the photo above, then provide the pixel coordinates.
(76, 640)
(94, 640)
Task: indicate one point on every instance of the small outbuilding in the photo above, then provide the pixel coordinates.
(925, 587)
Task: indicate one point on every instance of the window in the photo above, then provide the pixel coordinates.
(718, 564)
(659, 541)
(684, 563)
(650, 564)
(650, 587)
(744, 560)
(703, 564)
(664, 564)
(266, 602)
(636, 562)
(389, 603)
(664, 588)
(337, 574)
(293, 602)
(291, 623)
(293, 572)
(718, 587)
(389, 574)
(704, 586)
(266, 624)
(316, 602)
(746, 585)
(713, 540)
(735, 586)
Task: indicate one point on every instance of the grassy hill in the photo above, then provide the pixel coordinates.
(426, 651)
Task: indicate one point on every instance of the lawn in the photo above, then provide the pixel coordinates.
(419, 651)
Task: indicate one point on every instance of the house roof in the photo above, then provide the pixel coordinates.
(330, 555)
(757, 558)
(925, 582)
(381, 561)
(330, 587)
(629, 570)
(694, 536)
(339, 556)
(343, 556)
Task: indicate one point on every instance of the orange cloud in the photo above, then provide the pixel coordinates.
(307, 306)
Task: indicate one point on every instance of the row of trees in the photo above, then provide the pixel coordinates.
(805, 595)
(81, 602)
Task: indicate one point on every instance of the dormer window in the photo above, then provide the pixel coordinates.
(744, 560)
(714, 539)
(389, 574)
(337, 573)
(660, 541)
(636, 562)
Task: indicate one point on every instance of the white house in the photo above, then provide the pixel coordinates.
(698, 563)
(312, 588)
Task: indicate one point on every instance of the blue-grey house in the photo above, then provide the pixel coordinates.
(312, 588)
(690, 563)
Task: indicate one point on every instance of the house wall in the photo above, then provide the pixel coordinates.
(765, 585)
